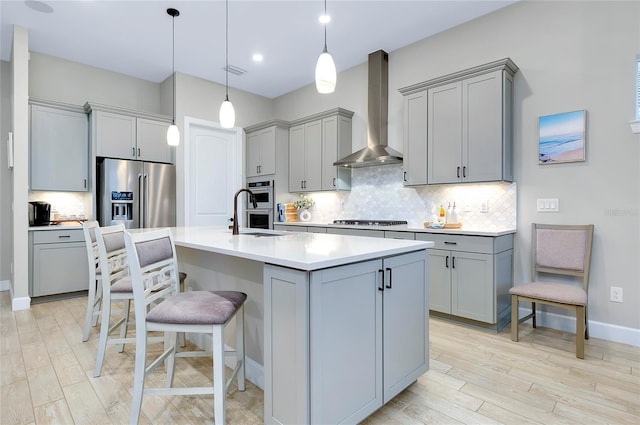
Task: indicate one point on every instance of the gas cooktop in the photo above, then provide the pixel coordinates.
(370, 222)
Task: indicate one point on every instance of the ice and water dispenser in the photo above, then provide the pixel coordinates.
(121, 206)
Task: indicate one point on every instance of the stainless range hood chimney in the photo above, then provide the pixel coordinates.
(377, 152)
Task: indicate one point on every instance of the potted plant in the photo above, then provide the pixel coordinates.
(302, 205)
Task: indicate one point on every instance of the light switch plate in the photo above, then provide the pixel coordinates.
(548, 205)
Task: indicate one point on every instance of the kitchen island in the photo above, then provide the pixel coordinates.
(335, 326)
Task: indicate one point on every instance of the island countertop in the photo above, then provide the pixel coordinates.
(302, 251)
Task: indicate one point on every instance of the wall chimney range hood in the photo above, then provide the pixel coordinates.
(377, 152)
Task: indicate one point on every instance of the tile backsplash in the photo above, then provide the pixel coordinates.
(378, 193)
(65, 204)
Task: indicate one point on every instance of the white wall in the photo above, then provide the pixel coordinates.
(5, 175)
(572, 55)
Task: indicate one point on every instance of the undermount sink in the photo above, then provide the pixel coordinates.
(261, 234)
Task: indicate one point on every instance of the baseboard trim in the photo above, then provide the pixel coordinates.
(600, 330)
(21, 303)
(5, 285)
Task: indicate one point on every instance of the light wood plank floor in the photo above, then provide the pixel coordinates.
(476, 377)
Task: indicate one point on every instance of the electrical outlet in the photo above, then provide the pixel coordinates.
(616, 294)
(484, 206)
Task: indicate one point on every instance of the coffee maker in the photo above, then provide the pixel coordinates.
(39, 213)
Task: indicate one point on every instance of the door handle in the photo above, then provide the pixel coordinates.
(450, 243)
(140, 202)
(381, 274)
(458, 172)
(446, 262)
(453, 262)
(334, 182)
(404, 176)
(138, 151)
(133, 152)
(85, 183)
(464, 171)
(64, 236)
(390, 284)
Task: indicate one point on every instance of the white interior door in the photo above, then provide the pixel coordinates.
(213, 173)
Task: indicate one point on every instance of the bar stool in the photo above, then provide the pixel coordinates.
(154, 276)
(94, 297)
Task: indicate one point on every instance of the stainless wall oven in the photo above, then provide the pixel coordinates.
(262, 216)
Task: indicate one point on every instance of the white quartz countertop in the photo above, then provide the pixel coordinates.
(60, 226)
(303, 251)
(472, 231)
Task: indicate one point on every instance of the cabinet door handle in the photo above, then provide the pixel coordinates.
(464, 171)
(458, 172)
(138, 151)
(133, 152)
(381, 274)
(85, 183)
(390, 284)
(450, 243)
(453, 262)
(334, 182)
(404, 176)
(446, 262)
(64, 236)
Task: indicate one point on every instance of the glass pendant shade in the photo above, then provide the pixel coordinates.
(173, 135)
(325, 73)
(227, 114)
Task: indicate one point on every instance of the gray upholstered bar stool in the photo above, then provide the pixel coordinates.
(159, 306)
(94, 296)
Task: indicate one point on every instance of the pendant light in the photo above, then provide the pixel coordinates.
(325, 68)
(227, 113)
(173, 134)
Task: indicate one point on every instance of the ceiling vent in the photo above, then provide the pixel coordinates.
(234, 70)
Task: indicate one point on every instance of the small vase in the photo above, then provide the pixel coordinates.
(304, 214)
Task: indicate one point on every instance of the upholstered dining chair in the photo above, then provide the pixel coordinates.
(560, 250)
(159, 306)
(94, 296)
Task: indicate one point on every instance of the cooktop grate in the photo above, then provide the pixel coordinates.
(370, 222)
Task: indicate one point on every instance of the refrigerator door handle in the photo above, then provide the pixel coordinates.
(145, 200)
(140, 202)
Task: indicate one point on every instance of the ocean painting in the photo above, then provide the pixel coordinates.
(562, 137)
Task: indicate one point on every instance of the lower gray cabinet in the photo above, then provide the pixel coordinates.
(470, 276)
(57, 262)
(343, 341)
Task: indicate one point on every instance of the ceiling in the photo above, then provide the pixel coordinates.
(135, 37)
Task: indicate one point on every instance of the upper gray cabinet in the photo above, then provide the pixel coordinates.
(59, 147)
(315, 143)
(126, 134)
(458, 128)
(264, 143)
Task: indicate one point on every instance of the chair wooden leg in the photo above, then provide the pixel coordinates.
(219, 393)
(125, 324)
(533, 312)
(104, 333)
(92, 315)
(139, 372)
(580, 316)
(514, 318)
(170, 341)
(586, 322)
(240, 357)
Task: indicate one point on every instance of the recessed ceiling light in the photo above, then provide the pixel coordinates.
(324, 19)
(257, 57)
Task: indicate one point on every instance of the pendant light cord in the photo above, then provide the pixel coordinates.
(227, 50)
(325, 28)
(173, 65)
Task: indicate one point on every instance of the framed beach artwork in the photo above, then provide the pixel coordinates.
(562, 137)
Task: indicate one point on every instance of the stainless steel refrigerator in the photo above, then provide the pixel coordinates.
(137, 194)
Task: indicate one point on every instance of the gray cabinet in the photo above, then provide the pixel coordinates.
(379, 351)
(315, 143)
(265, 143)
(57, 262)
(458, 128)
(470, 276)
(356, 232)
(59, 147)
(126, 134)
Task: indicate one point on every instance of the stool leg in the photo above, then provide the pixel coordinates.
(125, 324)
(91, 319)
(138, 378)
(219, 378)
(514, 318)
(170, 363)
(240, 347)
(104, 332)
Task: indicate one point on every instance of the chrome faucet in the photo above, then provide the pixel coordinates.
(252, 198)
